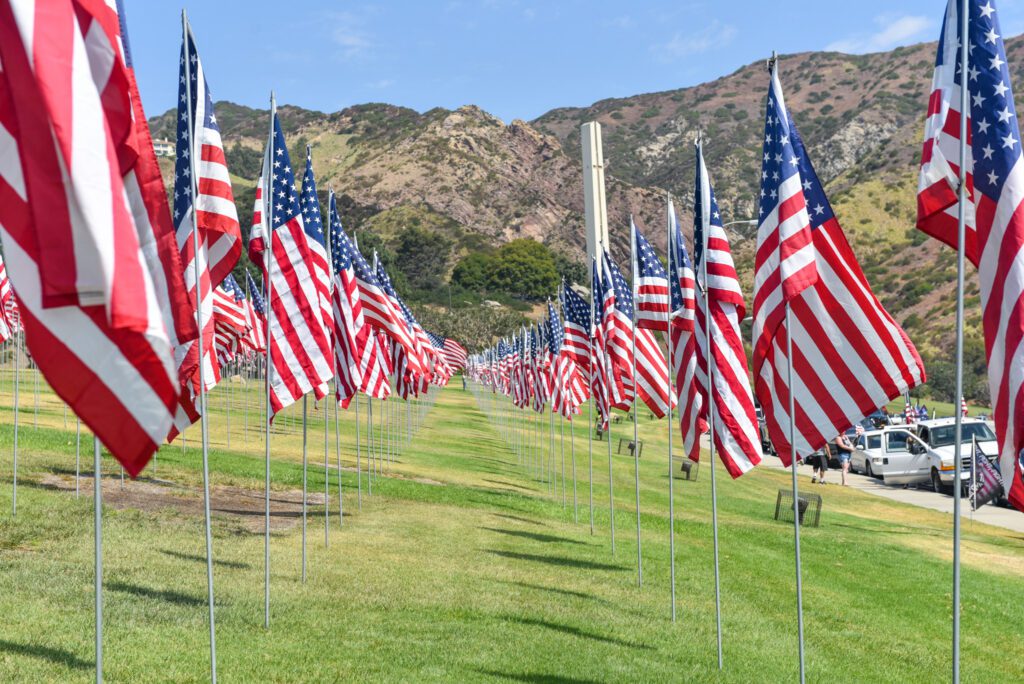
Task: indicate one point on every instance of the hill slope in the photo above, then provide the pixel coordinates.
(468, 176)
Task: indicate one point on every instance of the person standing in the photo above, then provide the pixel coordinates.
(844, 449)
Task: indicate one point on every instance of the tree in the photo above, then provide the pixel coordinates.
(473, 271)
(525, 269)
(422, 255)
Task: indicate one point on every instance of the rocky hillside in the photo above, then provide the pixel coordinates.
(862, 118)
(462, 172)
(479, 182)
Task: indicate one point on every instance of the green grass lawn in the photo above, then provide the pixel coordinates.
(464, 565)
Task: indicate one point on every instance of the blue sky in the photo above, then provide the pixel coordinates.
(514, 58)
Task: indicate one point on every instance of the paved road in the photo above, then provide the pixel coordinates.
(1006, 518)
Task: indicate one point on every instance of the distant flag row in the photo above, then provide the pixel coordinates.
(848, 354)
(106, 273)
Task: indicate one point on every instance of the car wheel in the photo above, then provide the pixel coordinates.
(867, 469)
(937, 482)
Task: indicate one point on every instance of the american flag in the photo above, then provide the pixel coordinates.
(577, 327)
(850, 357)
(909, 414)
(314, 225)
(378, 309)
(453, 353)
(6, 299)
(568, 388)
(199, 148)
(537, 385)
(651, 379)
(599, 371)
(736, 434)
(255, 316)
(650, 286)
(692, 423)
(351, 334)
(414, 356)
(988, 484)
(85, 224)
(298, 345)
(231, 324)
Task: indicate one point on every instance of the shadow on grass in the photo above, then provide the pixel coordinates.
(518, 518)
(511, 484)
(556, 590)
(54, 655)
(536, 536)
(555, 560)
(575, 631)
(202, 559)
(536, 678)
(167, 595)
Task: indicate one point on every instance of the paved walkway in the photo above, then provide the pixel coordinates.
(1006, 518)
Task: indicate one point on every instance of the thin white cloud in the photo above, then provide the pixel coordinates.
(622, 23)
(893, 31)
(714, 35)
(382, 84)
(348, 34)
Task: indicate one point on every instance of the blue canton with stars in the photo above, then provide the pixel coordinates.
(680, 263)
(597, 288)
(618, 285)
(779, 161)
(310, 205)
(994, 144)
(556, 333)
(284, 198)
(818, 208)
(575, 307)
(698, 211)
(184, 148)
(256, 293)
(230, 286)
(649, 265)
(342, 251)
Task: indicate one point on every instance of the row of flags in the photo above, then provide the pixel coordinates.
(127, 300)
(813, 308)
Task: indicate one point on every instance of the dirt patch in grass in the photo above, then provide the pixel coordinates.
(245, 507)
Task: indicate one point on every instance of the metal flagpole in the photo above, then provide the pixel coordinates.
(337, 453)
(97, 497)
(268, 206)
(359, 465)
(78, 456)
(561, 446)
(572, 455)
(204, 418)
(551, 451)
(958, 421)
(327, 473)
(17, 382)
(305, 463)
(611, 481)
(227, 411)
(636, 396)
(35, 391)
(369, 446)
(590, 426)
(796, 497)
(670, 241)
(705, 220)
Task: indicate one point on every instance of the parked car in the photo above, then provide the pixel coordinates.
(867, 457)
(934, 453)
